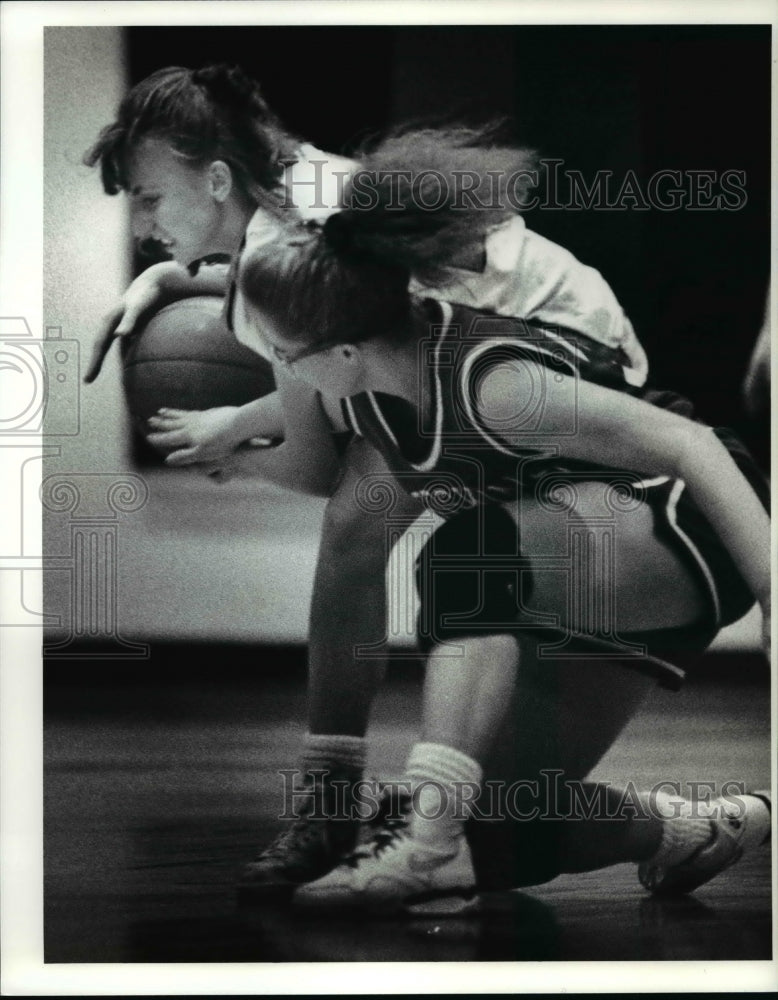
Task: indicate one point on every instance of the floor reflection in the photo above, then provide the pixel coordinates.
(158, 793)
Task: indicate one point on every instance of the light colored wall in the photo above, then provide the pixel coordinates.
(197, 560)
(86, 243)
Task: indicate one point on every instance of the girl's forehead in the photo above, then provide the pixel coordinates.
(147, 162)
(154, 161)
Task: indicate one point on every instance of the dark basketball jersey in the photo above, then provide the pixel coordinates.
(444, 452)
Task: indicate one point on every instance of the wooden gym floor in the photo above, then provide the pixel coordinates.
(162, 779)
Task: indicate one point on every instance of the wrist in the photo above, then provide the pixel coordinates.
(170, 277)
(244, 424)
(165, 272)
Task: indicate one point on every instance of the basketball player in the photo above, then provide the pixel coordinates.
(690, 542)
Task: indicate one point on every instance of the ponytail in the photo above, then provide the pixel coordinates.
(422, 196)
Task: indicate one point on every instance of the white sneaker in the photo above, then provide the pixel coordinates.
(396, 871)
(724, 847)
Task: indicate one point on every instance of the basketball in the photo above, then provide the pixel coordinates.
(185, 357)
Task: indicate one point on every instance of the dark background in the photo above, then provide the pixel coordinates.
(597, 97)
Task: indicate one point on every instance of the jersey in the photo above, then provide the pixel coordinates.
(529, 276)
(451, 452)
(458, 464)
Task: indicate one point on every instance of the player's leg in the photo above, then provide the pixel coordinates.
(556, 720)
(679, 845)
(468, 696)
(348, 609)
(565, 718)
(493, 689)
(466, 699)
(547, 825)
(535, 817)
(348, 614)
(582, 826)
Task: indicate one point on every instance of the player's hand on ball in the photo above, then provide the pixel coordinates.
(194, 436)
(144, 294)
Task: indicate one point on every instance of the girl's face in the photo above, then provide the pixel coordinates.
(191, 210)
(336, 370)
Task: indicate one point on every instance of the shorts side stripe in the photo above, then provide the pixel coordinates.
(671, 510)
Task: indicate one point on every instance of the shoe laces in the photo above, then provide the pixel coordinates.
(384, 839)
(394, 804)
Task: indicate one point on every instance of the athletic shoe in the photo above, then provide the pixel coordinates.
(719, 852)
(311, 846)
(397, 872)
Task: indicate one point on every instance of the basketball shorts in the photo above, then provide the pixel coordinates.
(472, 580)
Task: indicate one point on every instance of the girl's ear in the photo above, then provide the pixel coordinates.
(220, 180)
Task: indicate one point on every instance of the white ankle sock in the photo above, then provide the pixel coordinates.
(443, 781)
(683, 835)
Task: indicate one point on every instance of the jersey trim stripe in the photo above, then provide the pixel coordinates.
(351, 417)
(437, 441)
(467, 393)
(381, 419)
(571, 347)
(648, 483)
